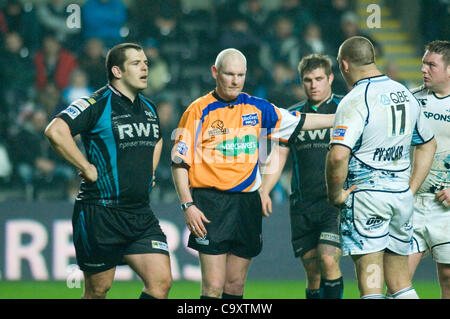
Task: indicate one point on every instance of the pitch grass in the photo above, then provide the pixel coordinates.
(185, 290)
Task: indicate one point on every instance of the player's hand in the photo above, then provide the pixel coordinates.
(194, 220)
(443, 197)
(89, 174)
(266, 203)
(339, 198)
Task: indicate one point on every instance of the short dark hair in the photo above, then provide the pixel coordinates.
(116, 57)
(314, 61)
(441, 47)
(358, 50)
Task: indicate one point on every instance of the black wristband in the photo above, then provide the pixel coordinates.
(185, 206)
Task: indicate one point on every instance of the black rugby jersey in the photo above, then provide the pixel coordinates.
(309, 150)
(119, 137)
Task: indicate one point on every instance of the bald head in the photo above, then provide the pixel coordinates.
(228, 55)
(357, 50)
(229, 72)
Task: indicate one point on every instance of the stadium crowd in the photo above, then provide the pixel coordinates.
(47, 62)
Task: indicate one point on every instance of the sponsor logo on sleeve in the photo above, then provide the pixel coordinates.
(182, 148)
(80, 104)
(72, 111)
(339, 133)
(250, 119)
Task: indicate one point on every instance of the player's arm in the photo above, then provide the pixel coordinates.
(194, 217)
(423, 158)
(317, 121)
(156, 157)
(336, 169)
(271, 174)
(60, 137)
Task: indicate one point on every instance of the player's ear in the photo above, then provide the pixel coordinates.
(330, 78)
(345, 65)
(214, 71)
(116, 72)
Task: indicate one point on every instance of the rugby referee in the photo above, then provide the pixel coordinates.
(216, 155)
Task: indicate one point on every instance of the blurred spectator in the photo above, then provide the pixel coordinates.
(282, 45)
(435, 20)
(392, 71)
(312, 41)
(92, 61)
(104, 19)
(36, 162)
(239, 36)
(16, 76)
(14, 17)
(297, 11)
(53, 64)
(255, 14)
(170, 35)
(329, 14)
(77, 88)
(50, 100)
(144, 13)
(280, 91)
(52, 16)
(349, 27)
(158, 69)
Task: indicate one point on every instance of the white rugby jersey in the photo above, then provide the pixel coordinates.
(436, 114)
(378, 120)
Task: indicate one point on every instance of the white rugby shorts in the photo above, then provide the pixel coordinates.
(372, 221)
(431, 221)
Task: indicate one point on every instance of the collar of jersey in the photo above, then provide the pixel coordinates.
(218, 98)
(376, 78)
(119, 94)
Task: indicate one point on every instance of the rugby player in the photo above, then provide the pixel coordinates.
(314, 222)
(368, 171)
(112, 221)
(432, 201)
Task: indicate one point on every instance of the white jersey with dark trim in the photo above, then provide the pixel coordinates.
(379, 119)
(436, 113)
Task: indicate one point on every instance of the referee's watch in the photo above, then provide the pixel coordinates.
(185, 206)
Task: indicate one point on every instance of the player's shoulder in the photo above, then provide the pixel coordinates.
(336, 98)
(420, 91)
(297, 106)
(79, 105)
(255, 101)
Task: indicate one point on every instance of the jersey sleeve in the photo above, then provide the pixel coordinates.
(81, 115)
(284, 125)
(186, 133)
(351, 116)
(422, 133)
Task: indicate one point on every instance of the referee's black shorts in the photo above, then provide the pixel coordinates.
(103, 235)
(314, 223)
(235, 223)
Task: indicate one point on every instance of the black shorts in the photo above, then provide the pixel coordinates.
(103, 235)
(314, 223)
(235, 223)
